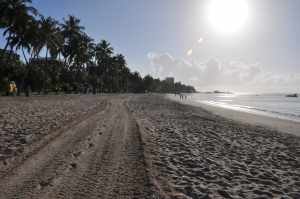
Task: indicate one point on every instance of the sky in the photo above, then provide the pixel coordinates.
(175, 38)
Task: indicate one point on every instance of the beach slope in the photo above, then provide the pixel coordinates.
(197, 154)
(138, 146)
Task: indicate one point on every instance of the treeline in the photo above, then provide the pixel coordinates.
(72, 62)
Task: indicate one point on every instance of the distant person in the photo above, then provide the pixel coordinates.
(181, 96)
(12, 88)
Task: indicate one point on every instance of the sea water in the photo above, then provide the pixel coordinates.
(274, 105)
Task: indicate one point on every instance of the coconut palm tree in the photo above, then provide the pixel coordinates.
(84, 62)
(23, 37)
(71, 27)
(85, 50)
(104, 52)
(20, 27)
(4, 5)
(57, 49)
(47, 36)
(71, 31)
(119, 75)
(16, 16)
(83, 56)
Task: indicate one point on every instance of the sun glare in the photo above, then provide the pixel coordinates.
(228, 16)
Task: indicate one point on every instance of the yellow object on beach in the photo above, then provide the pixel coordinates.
(12, 87)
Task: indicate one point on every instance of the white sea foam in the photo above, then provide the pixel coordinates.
(274, 105)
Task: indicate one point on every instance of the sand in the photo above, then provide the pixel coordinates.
(138, 146)
(279, 124)
(196, 154)
(79, 147)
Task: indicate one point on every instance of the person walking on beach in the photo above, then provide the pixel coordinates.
(182, 96)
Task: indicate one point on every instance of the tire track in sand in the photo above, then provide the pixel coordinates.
(100, 157)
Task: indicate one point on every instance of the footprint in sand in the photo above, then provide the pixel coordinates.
(77, 154)
(91, 145)
(73, 165)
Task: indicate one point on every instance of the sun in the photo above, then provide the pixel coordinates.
(228, 16)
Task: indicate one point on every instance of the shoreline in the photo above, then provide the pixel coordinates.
(197, 154)
(279, 124)
(145, 145)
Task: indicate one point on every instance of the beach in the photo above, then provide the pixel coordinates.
(197, 154)
(247, 116)
(139, 146)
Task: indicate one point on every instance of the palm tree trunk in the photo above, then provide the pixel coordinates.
(6, 59)
(6, 46)
(26, 84)
(24, 55)
(7, 42)
(46, 55)
(44, 86)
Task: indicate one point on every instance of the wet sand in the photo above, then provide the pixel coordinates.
(279, 124)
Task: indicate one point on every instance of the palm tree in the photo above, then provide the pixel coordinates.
(57, 49)
(84, 62)
(47, 36)
(119, 76)
(83, 56)
(85, 50)
(15, 17)
(71, 31)
(136, 83)
(4, 5)
(23, 37)
(104, 52)
(71, 26)
(120, 59)
(19, 26)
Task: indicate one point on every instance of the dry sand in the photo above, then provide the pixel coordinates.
(195, 154)
(79, 147)
(283, 125)
(138, 146)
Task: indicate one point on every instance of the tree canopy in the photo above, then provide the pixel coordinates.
(72, 61)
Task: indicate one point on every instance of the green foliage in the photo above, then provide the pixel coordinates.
(72, 62)
(11, 69)
(44, 75)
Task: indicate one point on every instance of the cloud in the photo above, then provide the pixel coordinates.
(214, 74)
(164, 65)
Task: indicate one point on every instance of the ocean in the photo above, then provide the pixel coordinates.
(273, 105)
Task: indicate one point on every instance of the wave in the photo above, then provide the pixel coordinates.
(256, 110)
